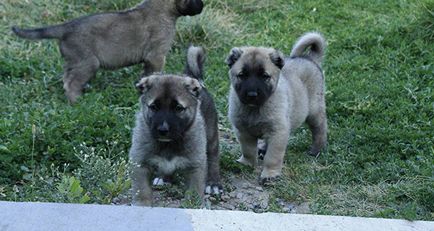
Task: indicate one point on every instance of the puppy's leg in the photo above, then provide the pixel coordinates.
(76, 76)
(155, 64)
(318, 126)
(141, 189)
(273, 160)
(196, 180)
(213, 175)
(262, 149)
(249, 149)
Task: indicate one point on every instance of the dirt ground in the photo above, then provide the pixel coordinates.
(241, 193)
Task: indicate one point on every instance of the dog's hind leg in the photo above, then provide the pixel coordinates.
(76, 76)
(318, 126)
(213, 175)
(262, 149)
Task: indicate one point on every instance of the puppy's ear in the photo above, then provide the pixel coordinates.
(144, 84)
(277, 59)
(189, 7)
(193, 86)
(234, 55)
(195, 61)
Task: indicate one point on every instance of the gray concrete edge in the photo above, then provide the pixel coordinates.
(53, 216)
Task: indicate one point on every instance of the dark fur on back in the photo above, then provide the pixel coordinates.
(195, 69)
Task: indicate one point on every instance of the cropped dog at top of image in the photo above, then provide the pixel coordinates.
(143, 34)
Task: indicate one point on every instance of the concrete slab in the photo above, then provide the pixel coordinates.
(57, 217)
(237, 220)
(48, 216)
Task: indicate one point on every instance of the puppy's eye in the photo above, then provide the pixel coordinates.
(266, 75)
(241, 75)
(179, 108)
(153, 107)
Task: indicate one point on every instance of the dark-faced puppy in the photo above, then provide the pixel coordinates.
(143, 34)
(176, 130)
(256, 80)
(271, 96)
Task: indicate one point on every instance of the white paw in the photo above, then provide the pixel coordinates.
(245, 161)
(213, 190)
(158, 181)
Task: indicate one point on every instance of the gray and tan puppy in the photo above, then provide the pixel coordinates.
(143, 34)
(176, 130)
(271, 96)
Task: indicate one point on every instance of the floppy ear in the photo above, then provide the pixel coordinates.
(189, 7)
(195, 61)
(277, 59)
(193, 86)
(144, 84)
(234, 55)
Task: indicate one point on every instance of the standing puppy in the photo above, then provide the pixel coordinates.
(176, 129)
(143, 34)
(271, 96)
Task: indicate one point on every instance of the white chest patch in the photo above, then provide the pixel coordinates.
(167, 167)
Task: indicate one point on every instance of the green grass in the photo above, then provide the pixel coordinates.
(379, 74)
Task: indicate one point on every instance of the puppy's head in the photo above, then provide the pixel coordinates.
(254, 73)
(169, 105)
(189, 7)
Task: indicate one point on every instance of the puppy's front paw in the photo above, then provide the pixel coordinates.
(315, 151)
(213, 189)
(158, 181)
(269, 176)
(246, 161)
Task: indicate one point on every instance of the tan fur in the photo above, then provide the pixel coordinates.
(297, 97)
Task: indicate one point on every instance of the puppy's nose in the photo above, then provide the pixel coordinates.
(252, 94)
(163, 129)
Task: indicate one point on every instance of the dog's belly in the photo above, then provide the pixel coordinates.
(117, 58)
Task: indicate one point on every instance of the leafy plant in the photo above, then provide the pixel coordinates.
(72, 191)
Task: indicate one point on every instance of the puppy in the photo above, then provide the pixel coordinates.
(271, 96)
(176, 129)
(143, 34)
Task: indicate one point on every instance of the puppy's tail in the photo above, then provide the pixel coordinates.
(51, 32)
(195, 60)
(317, 45)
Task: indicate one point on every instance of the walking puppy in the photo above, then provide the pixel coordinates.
(176, 129)
(143, 34)
(271, 96)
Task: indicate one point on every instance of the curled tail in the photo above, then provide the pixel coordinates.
(195, 61)
(317, 45)
(51, 32)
